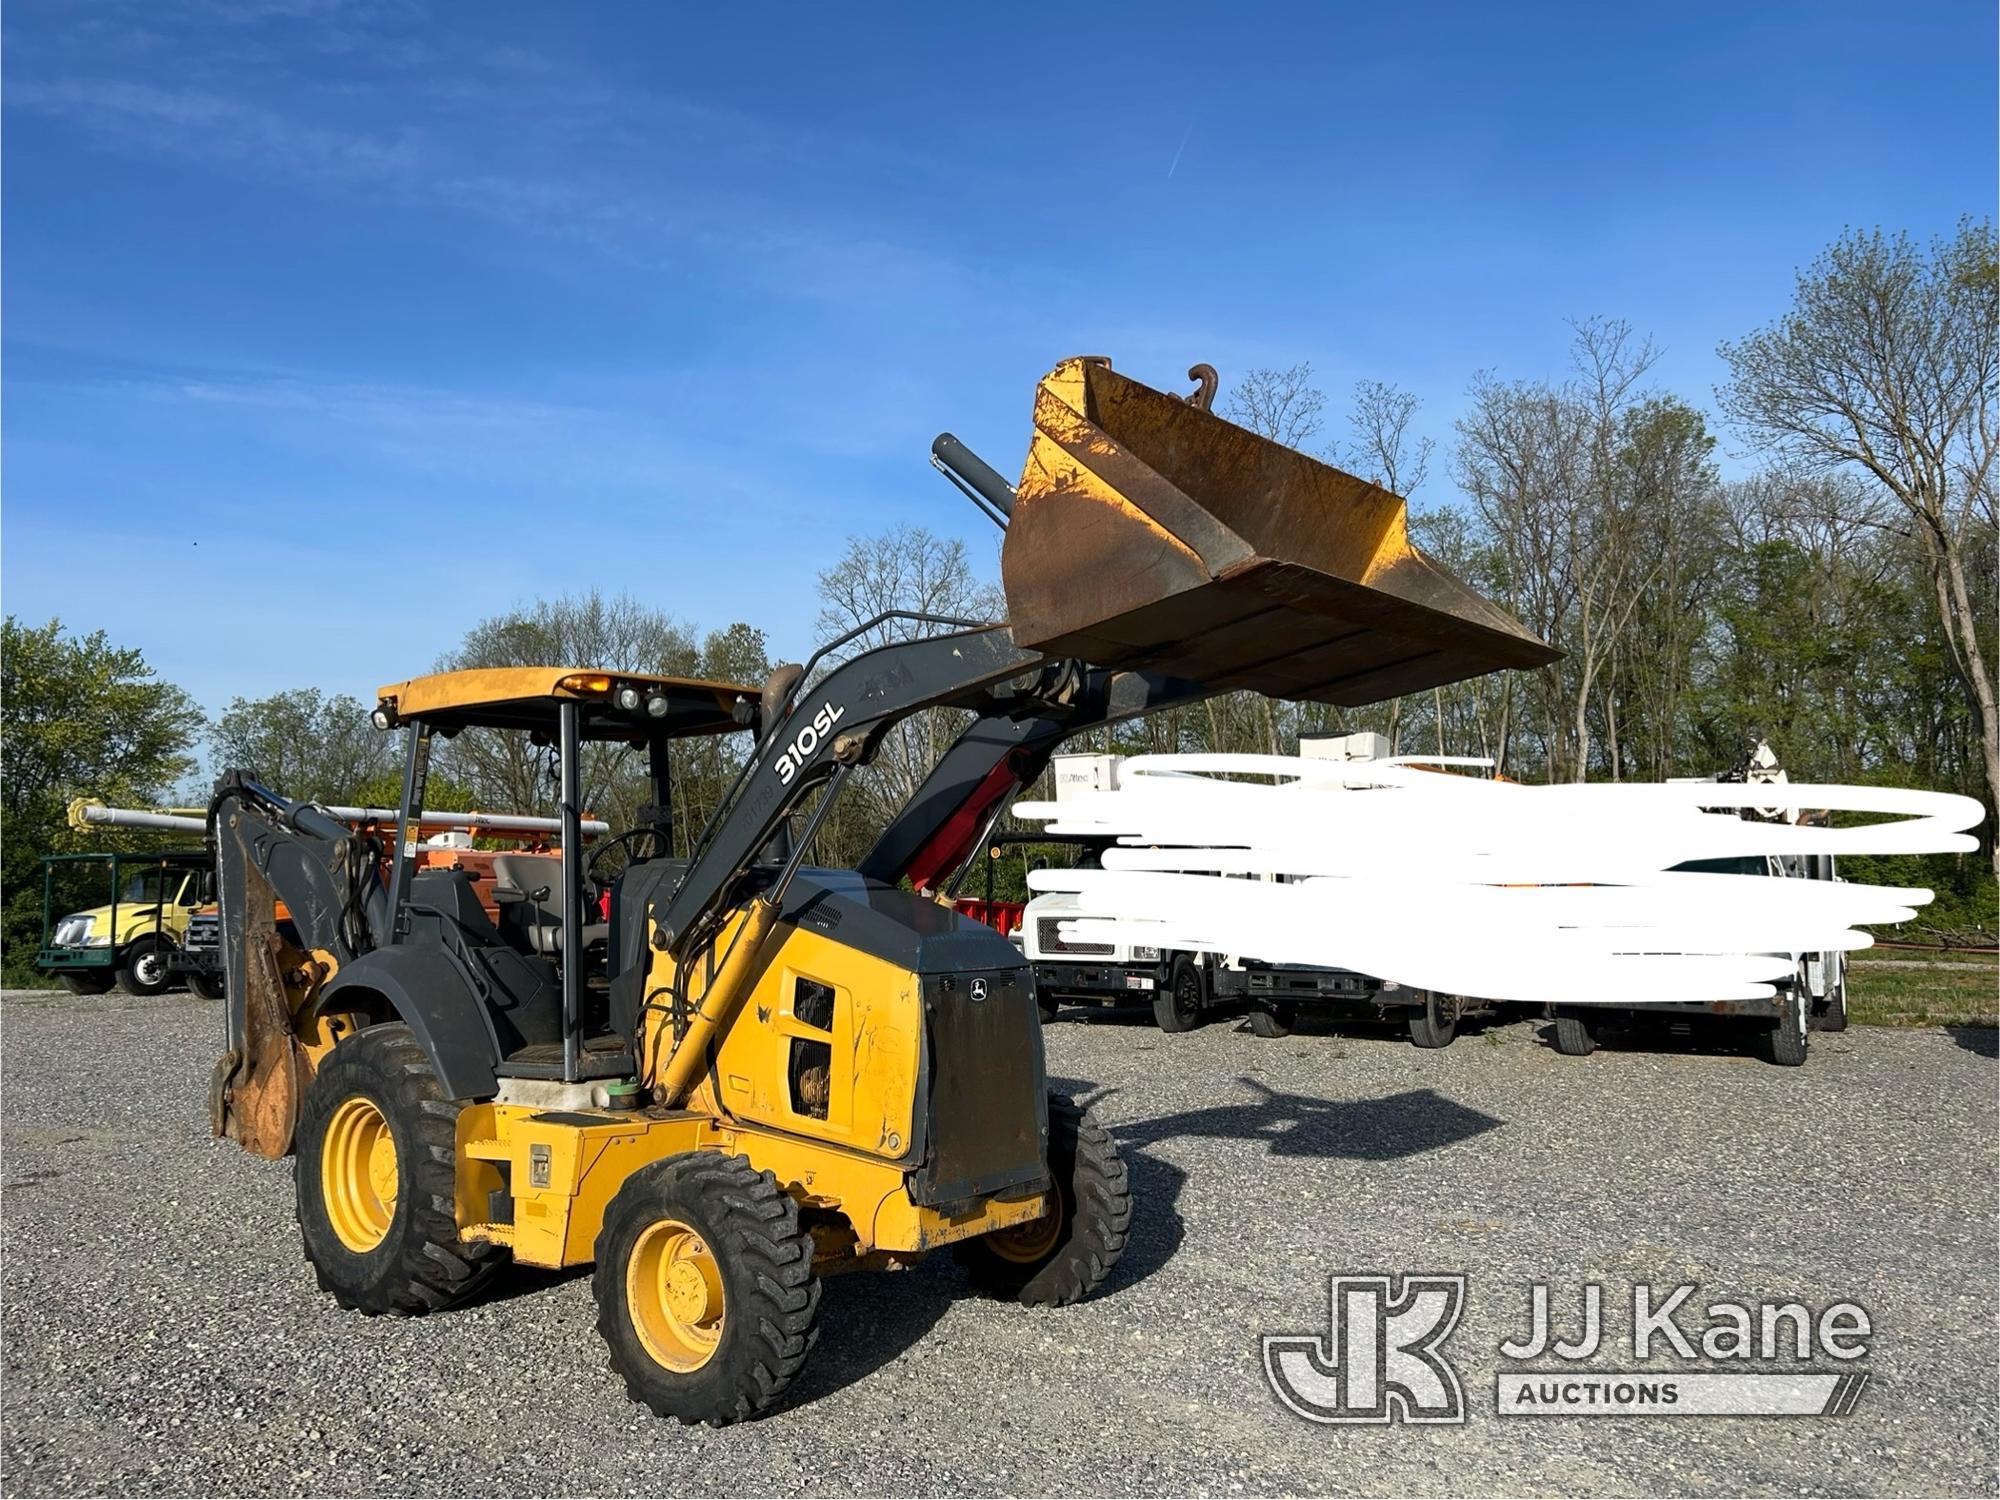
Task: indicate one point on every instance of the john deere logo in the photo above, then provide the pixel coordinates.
(978, 990)
(1378, 1361)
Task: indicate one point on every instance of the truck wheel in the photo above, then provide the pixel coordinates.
(1785, 1042)
(143, 971)
(1275, 1019)
(208, 986)
(374, 1180)
(1830, 1014)
(704, 1285)
(1066, 1254)
(1576, 1033)
(1178, 1007)
(87, 982)
(1045, 1007)
(1435, 1022)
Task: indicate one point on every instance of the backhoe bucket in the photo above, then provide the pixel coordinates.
(1148, 533)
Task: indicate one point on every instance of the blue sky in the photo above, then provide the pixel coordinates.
(331, 328)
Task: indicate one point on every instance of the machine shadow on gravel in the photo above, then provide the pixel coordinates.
(866, 1322)
(1984, 1040)
(1297, 1125)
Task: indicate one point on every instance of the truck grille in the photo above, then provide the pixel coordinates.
(204, 930)
(1050, 938)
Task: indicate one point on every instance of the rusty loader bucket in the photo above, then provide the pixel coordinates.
(1149, 534)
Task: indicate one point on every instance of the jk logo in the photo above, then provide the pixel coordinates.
(1378, 1361)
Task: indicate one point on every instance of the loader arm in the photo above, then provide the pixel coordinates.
(993, 759)
(838, 722)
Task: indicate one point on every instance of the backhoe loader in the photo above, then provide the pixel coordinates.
(753, 1072)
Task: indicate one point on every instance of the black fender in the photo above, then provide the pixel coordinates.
(433, 997)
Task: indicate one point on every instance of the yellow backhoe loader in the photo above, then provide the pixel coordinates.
(721, 1077)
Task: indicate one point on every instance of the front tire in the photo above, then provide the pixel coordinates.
(1275, 1019)
(1435, 1022)
(1785, 1042)
(143, 971)
(1066, 1254)
(86, 982)
(705, 1293)
(208, 986)
(1576, 1034)
(1178, 1007)
(374, 1178)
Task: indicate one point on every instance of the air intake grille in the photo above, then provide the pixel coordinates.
(1050, 939)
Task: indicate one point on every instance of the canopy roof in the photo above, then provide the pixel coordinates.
(529, 698)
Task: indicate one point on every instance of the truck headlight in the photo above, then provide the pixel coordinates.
(72, 932)
(1145, 955)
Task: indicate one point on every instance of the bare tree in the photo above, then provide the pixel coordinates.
(1889, 362)
(1547, 468)
(1283, 405)
(1381, 448)
(909, 569)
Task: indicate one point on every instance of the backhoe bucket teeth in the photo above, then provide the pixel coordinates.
(1149, 534)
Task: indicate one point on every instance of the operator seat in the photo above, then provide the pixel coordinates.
(529, 890)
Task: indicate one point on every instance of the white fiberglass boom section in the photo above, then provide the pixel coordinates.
(473, 822)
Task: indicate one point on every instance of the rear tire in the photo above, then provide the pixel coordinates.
(1435, 1022)
(1785, 1042)
(1275, 1019)
(1178, 1007)
(143, 970)
(87, 982)
(1576, 1035)
(374, 1179)
(705, 1293)
(1061, 1257)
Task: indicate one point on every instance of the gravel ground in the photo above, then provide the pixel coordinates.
(163, 1336)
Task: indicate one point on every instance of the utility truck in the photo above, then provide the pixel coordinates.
(131, 935)
(1185, 988)
(1813, 999)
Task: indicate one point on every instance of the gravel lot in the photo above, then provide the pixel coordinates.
(163, 1336)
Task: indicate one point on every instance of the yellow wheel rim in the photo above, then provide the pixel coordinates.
(673, 1286)
(357, 1174)
(1027, 1243)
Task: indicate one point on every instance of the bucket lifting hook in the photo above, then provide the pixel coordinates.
(1202, 398)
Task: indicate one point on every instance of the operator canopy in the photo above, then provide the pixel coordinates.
(615, 705)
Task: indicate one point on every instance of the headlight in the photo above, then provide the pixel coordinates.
(1146, 955)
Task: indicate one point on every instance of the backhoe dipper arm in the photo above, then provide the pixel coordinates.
(269, 849)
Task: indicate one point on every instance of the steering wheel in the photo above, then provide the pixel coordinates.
(619, 841)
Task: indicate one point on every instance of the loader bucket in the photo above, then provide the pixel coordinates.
(1149, 534)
